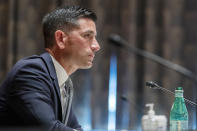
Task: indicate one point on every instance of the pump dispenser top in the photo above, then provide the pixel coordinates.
(151, 111)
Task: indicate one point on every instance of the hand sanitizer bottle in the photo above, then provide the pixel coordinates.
(152, 122)
(149, 120)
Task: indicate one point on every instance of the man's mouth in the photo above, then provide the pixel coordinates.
(91, 57)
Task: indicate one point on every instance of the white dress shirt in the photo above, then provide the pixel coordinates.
(61, 77)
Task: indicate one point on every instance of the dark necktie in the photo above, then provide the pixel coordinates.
(68, 94)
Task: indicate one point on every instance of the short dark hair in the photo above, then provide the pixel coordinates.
(63, 18)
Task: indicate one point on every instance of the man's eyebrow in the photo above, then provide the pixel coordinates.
(91, 32)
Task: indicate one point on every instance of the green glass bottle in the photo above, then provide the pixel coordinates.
(178, 113)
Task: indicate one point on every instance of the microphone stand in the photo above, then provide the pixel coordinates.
(119, 41)
(153, 85)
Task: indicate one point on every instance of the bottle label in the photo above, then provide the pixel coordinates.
(176, 125)
(179, 94)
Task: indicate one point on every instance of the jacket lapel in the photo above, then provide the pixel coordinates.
(49, 64)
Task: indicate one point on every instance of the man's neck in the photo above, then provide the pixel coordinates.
(69, 68)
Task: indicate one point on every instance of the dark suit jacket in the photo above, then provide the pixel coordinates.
(30, 96)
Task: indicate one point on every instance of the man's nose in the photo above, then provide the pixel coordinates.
(95, 46)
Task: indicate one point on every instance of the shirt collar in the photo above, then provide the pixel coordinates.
(62, 76)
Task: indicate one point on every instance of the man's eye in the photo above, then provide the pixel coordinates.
(87, 36)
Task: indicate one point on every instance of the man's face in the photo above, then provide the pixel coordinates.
(82, 44)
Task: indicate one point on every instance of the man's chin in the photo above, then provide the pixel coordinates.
(87, 66)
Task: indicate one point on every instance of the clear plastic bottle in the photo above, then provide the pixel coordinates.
(179, 113)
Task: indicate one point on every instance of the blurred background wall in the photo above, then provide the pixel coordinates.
(167, 28)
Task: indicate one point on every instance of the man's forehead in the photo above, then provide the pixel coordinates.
(85, 21)
(87, 25)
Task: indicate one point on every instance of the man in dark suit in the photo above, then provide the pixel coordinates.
(37, 92)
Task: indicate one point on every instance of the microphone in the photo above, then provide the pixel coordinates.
(120, 42)
(116, 39)
(153, 85)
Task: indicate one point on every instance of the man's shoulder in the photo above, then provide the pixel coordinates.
(34, 62)
(30, 60)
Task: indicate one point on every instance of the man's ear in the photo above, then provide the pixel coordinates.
(60, 38)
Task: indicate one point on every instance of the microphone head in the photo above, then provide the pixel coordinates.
(152, 85)
(115, 39)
